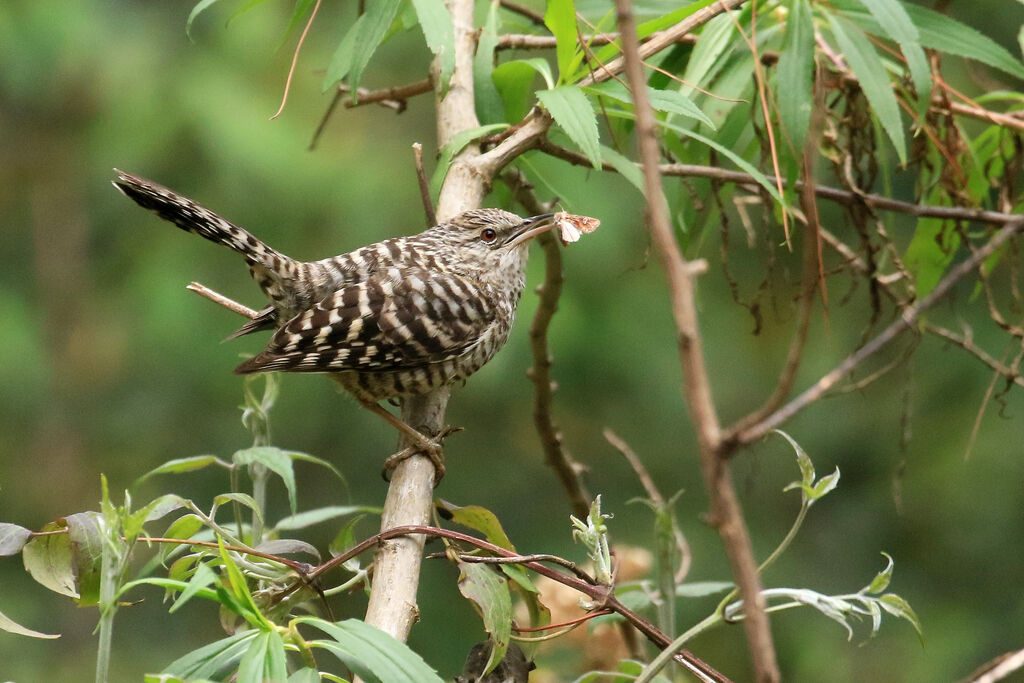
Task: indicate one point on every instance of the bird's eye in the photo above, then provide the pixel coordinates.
(488, 235)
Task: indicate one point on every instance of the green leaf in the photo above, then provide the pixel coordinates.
(560, 18)
(571, 110)
(882, 579)
(305, 457)
(867, 67)
(243, 498)
(479, 519)
(264, 660)
(700, 589)
(454, 146)
(717, 37)
(306, 675)
(201, 579)
(514, 81)
(742, 163)
(341, 60)
(179, 465)
(439, 32)
(625, 166)
(86, 539)
(288, 546)
(48, 559)
(796, 75)
(378, 17)
(661, 100)
(275, 460)
(153, 511)
(897, 25)
(898, 607)
(489, 591)
(489, 106)
(11, 626)
(371, 653)
(12, 538)
(209, 660)
(939, 32)
(824, 486)
(171, 585)
(540, 66)
(199, 7)
(240, 590)
(311, 517)
(930, 252)
(301, 7)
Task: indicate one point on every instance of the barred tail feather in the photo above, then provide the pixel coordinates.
(192, 217)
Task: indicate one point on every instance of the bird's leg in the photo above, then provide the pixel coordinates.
(420, 443)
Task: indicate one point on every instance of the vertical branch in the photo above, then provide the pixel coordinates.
(725, 510)
(568, 471)
(392, 606)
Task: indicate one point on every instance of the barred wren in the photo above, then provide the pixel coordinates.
(392, 319)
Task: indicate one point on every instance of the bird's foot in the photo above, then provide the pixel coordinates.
(423, 446)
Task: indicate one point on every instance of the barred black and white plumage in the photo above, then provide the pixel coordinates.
(396, 318)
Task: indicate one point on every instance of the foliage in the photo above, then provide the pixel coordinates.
(851, 82)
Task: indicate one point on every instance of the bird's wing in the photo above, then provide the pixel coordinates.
(382, 323)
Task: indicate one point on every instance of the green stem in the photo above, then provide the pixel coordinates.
(666, 655)
(109, 571)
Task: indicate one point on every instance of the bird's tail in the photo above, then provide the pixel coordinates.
(188, 215)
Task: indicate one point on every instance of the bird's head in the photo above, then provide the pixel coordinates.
(493, 238)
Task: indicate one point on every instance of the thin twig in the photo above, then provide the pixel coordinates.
(905, 321)
(874, 201)
(322, 126)
(525, 41)
(300, 567)
(220, 299)
(569, 472)
(812, 271)
(295, 60)
(725, 511)
(421, 178)
(598, 593)
(393, 98)
(534, 17)
(685, 555)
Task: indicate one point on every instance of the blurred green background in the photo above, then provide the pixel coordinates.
(109, 365)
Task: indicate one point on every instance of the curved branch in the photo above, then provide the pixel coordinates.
(904, 322)
(725, 511)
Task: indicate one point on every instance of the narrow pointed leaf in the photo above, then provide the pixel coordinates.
(942, 33)
(571, 110)
(625, 166)
(796, 75)
(379, 15)
(560, 18)
(867, 67)
(275, 460)
(371, 653)
(489, 107)
(196, 10)
(11, 626)
(895, 21)
(454, 146)
(489, 591)
(439, 32)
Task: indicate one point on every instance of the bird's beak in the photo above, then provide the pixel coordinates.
(530, 228)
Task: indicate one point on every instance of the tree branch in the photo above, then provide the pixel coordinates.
(569, 472)
(905, 321)
(845, 197)
(725, 509)
(392, 605)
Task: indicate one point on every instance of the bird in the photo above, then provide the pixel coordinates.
(397, 318)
